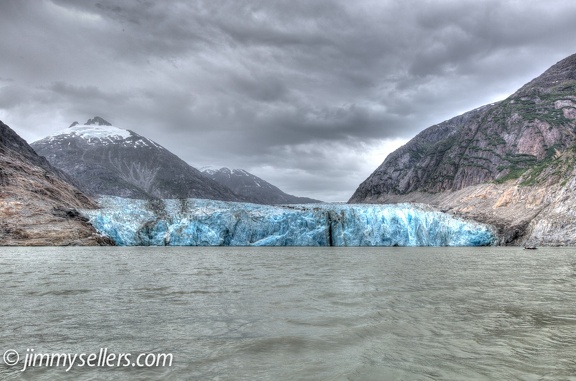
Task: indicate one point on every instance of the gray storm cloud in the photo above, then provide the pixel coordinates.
(309, 95)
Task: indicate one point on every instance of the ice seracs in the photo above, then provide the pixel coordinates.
(197, 222)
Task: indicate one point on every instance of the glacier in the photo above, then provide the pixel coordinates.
(200, 222)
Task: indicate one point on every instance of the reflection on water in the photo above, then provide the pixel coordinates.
(295, 313)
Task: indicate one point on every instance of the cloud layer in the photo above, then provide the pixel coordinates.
(309, 95)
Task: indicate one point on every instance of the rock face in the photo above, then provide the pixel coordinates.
(37, 202)
(508, 163)
(196, 222)
(105, 160)
(252, 188)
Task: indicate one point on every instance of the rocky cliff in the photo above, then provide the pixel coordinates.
(509, 163)
(106, 160)
(37, 202)
(252, 188)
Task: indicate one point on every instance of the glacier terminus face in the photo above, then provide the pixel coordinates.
(199, 222)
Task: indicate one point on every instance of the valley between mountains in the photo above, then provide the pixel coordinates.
(508, 166)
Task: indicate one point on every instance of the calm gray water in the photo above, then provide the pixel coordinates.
(295, 313)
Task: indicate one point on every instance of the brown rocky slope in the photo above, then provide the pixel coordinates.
(37, 202)
(510, 163)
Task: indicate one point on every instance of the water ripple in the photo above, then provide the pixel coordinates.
(296, 313)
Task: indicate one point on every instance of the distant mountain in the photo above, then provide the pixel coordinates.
(253, 188)
(106, 160)
(38, 202)
(510, 163)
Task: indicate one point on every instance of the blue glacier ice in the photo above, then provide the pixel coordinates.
(196, 222)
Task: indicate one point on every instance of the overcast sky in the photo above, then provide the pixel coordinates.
(310, 95)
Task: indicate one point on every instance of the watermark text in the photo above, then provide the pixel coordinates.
(103, 358)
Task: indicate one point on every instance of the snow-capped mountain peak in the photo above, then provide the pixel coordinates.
(100, 132)
(104, 159)
(94, 130)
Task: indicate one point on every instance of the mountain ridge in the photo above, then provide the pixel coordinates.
(517, 147)
(106, 160)
(253, 188)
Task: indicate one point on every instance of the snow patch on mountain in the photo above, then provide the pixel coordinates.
(252, 188)
(103, 135)
(90, 132)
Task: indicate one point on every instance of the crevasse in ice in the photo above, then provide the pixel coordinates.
(196, 222)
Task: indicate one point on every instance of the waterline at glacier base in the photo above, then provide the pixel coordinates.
(196, 222)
